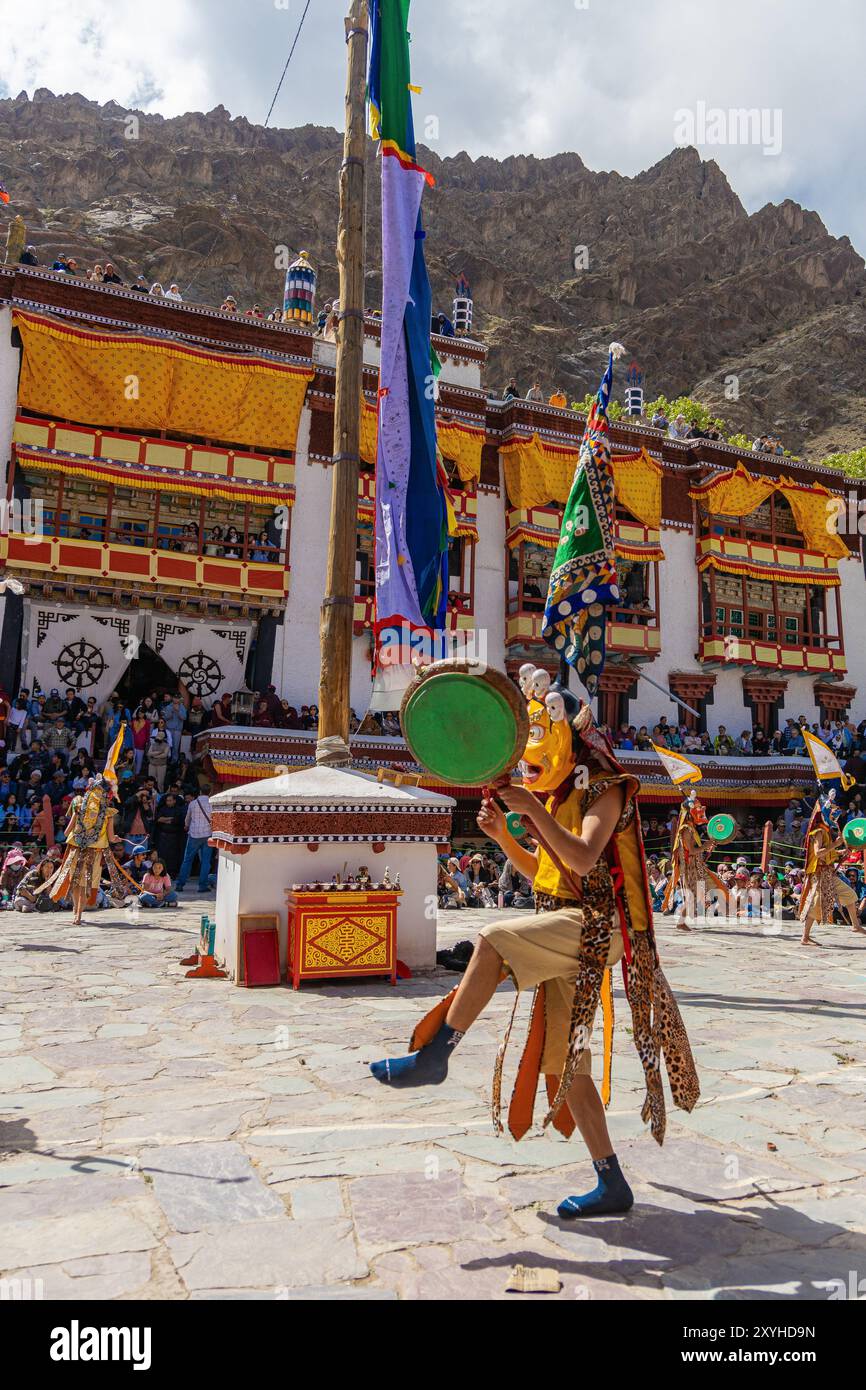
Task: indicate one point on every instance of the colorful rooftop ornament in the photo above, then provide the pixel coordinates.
(299, 295)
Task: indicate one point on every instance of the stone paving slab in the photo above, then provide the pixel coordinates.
(167, 1138)
(200, 1185)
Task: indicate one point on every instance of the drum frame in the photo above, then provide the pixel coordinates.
(500, 682)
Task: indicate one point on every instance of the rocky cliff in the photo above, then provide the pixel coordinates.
(561, 259)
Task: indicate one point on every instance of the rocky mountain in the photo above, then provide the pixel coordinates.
(561, 258)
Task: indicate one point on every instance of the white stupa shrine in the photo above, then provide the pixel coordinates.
(315, 829)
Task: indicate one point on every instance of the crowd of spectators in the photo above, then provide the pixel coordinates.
(842, 735)
(105, 274)
(54, 744)
(681, 428)
(473, 879)
(768, 444)
(674, 426)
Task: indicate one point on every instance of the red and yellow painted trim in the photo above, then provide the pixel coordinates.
(638, 639)
(761, 560)
(117, 447)
(127, 476)
(751, 652)
(68, 559)
(541, 526)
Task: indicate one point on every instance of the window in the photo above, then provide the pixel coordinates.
(789, 615)
(461, 575)
(770, 524)
(529, 567)
(365, 572)
(56, 523)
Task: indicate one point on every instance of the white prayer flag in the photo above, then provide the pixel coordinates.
(824, 760)
(678, 768)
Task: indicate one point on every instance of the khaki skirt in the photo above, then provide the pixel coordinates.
(544, 949)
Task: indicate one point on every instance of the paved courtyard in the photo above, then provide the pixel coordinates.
(168, 1138)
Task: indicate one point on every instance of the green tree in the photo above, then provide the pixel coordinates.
(853, 464)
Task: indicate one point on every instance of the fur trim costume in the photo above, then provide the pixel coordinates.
(570, 764)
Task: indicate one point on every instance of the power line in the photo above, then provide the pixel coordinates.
(288, 60)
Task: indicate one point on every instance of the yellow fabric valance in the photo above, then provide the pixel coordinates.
(737, 493)
(462, 444)
(816, 517)
(537, 473)
(747, 569)
(637, 482)
(457, 441)
(132, 382)
(369, 432)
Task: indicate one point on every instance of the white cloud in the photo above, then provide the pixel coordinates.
(503, 76)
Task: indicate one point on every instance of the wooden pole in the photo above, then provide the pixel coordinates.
(335, 630)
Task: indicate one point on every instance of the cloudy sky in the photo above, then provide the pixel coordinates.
(610, 79)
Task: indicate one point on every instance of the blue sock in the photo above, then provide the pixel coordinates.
(611, 1195)
(428, 1067)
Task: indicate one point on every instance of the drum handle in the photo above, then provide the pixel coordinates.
(571, 883)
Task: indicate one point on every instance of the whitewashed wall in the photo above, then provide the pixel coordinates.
(296, 652)
(490, 578)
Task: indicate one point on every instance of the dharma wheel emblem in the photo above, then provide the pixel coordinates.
(200, 674)
(80, 665)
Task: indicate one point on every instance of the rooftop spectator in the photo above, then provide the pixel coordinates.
(679, 429)
(558, 398)
(156, 290)
(511, 391)
(28, 256)
(535, 393)
(111, 276)
(660, 420)
(173, 292)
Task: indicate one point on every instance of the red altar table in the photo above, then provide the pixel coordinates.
(337, 933)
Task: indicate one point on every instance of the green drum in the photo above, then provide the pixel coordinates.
(854, 833)
(464, 723)
(721, 829)
(515, 825)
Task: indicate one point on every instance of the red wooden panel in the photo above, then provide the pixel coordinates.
(261, 957)
(220, 575)
(36, 553)
(128, 560)
(174, 567)
(267, 577)
(79, 557)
